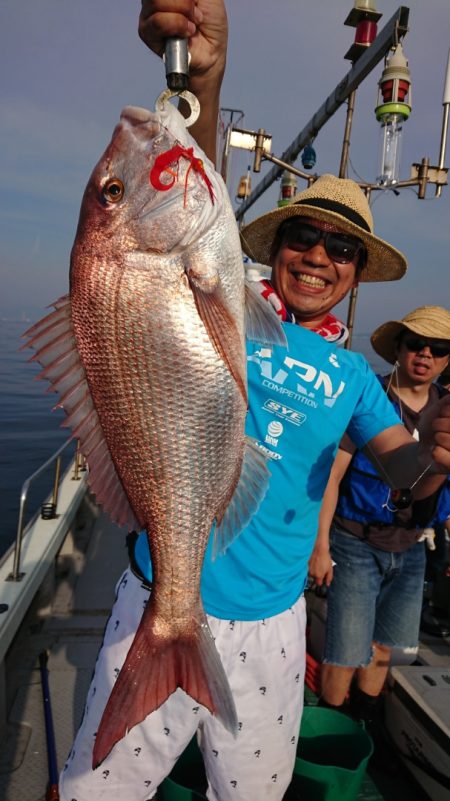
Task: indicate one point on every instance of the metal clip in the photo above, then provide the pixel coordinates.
(176, 58)
(190, 99)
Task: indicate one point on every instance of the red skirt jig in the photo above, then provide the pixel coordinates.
(168, 162)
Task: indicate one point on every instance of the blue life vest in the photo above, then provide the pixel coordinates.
(365, 497)
(443, 506)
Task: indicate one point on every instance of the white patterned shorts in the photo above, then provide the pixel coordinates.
(265, 663)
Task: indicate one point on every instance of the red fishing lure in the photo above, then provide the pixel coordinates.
(168, 162)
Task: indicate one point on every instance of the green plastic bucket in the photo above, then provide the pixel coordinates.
(332, 755)
(187, 781)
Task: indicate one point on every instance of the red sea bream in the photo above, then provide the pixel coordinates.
(147, 353)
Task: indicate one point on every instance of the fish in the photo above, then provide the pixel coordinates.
(147, 353)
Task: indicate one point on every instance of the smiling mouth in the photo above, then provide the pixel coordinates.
(309, 280)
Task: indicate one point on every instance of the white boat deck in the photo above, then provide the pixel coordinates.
(67, 619)
(71, 630)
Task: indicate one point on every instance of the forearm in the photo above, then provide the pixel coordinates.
(207, 91)
(428, 485)
(403, 462)
(327, 511)
(204, 24)
(412, 466)
(320, 563)
(331, 495)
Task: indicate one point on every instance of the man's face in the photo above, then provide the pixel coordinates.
(417, 362)
(309, 282)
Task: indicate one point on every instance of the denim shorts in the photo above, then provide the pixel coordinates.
(374, 596)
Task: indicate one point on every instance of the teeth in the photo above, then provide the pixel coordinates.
(311, 280)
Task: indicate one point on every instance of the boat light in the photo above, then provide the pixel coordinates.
(245, 186)
(364, 17)
(247, 140)
(308, 157)
(288, 188)
(391, 111)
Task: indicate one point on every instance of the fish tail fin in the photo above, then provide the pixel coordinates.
(155, 666)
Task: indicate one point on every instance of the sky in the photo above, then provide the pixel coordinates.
(68, 68)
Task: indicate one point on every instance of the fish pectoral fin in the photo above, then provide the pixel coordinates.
(246, 499)
(262, 323)
(220, 326)
(155, 666)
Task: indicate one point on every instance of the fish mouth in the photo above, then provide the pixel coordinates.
(137, 115)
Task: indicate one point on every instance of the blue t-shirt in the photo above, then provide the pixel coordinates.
(302, 400)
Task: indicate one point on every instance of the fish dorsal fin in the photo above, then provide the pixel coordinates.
(261, 320)
(54, 341)
(220, 326)
(246, 499)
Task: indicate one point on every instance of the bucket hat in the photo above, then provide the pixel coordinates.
(432, 322)
(339, 201)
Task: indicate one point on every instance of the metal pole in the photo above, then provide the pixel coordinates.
(52, 793)
(226, 146)
(56, 482)
(397, 26)
(226, 154)
(348, 128)
(352, 301)
(16, 575)
(351, 316)
(342, 174)
(259, 149)
(78, 459)
(294, 170)
(423, 177)
(446, 104)
(443, 146)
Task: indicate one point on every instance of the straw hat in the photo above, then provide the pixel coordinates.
(432, 322)
(341, 202)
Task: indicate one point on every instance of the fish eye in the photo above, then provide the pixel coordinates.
(113, 190)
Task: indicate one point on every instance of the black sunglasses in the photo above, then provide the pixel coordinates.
(416, 344)
(340, 248)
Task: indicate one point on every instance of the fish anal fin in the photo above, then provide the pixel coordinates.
(220, 326)
(246, 499)
(154, 668)
(261, 320)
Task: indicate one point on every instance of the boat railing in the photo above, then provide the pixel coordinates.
(50, 507)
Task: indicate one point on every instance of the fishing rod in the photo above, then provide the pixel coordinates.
(52, 793)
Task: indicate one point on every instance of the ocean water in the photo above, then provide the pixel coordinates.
(30, 432)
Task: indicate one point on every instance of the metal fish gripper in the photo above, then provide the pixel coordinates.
(176, 59)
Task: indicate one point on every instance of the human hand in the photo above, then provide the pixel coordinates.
(434, 432)
(320, 567)
(204, 22)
